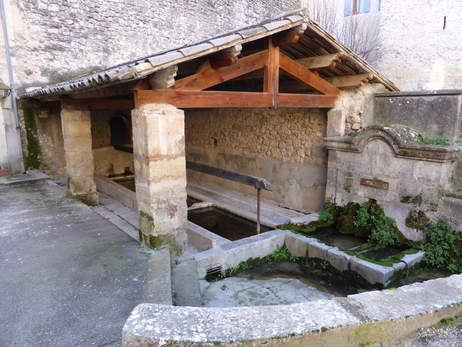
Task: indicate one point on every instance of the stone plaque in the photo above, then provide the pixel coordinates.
(374, 183)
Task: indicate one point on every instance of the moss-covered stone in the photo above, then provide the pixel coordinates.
(417, 219)
(33, 152)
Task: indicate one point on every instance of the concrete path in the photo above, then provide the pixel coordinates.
(68, 276)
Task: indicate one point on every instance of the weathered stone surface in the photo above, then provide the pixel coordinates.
(88, 36)
(408, 172)
(401, 54)
(411, 300)
(412, 259)
(150, 323)
(373, 273)
(339, 259)
(160, 175)
(388, 314)
(440, 110)
(76, 127)
(236, 291)
(283, 146)
(233, 253)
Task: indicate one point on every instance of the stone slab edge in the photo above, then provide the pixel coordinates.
(362, 318)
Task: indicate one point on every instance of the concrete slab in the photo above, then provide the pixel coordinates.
(29, 176)
(69, 277)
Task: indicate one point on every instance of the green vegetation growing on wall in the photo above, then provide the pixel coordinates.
(279, 255)
(32, 158)
(366, 221)
(443, 247)
(436, 141)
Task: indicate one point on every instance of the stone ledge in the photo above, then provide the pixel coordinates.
(385, 314)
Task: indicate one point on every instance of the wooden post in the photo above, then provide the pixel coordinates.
(271, 77)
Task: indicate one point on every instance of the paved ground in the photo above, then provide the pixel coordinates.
(68, 276)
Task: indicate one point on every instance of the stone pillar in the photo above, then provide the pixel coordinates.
(76, 124)
(160, 175)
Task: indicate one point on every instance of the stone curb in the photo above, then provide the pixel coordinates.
(366, 318)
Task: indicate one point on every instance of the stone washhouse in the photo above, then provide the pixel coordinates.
(265, 123)
(252, 105)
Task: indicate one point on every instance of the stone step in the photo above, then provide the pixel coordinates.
(159, 285)
(186, 285)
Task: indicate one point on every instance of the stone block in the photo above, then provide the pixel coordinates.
(372, 273)
(318, 250)
(296, 245)
(306, 219)
(338, 259)
(336, 123)
(413, 259)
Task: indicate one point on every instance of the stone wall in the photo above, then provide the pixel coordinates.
(415, 50)
(108, 160)
(433, 114)
(401, 175)
(50, 136)
(284, 146)
(59, 39)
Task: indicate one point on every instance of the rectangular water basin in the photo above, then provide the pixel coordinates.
(223, 223)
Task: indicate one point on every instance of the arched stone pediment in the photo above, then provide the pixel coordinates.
(402, 140)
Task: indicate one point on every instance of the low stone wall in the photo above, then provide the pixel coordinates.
(366, 318)
(109, 161)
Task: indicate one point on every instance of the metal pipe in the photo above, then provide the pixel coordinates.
(14, 105)
(258, 211)
(9, 63)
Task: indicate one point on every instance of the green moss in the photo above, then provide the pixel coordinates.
(32, 158)
(279, 255)
(435, 141)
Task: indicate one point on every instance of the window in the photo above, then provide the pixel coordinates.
(353, 7)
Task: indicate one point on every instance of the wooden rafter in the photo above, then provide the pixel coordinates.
(289, 37)
(299, 72)
(352, 81)
(210, 77)
(322, 62)
(100, 104)
(225, 57)
(218, 99)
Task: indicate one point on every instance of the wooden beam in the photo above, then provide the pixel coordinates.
(203, 99)
(290, 36)
(211, 77)
(299, 72)
(307, 100)
(100, 104)
(351, 81)
(219, 99)
(271, 74)
(322, 62)
(225, 57)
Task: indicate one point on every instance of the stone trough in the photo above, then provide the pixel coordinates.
(228, 254)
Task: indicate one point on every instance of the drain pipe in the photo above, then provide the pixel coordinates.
(14, 105)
